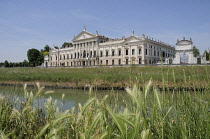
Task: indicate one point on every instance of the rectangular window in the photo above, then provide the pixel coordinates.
(112, 62)
(146, 51)
(126, 62)
(139, 50)
(126, 52)
(112, 53)
(119, 52)
(94, 54)
(133, 51)
(107, 53)
(139, 60)
(154, 53)
(158, 53)
(119, 62)
(101, 62)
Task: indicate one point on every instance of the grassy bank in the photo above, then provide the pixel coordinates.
(145, 114)
(184, 76)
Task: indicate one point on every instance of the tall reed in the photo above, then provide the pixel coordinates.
(145, 114)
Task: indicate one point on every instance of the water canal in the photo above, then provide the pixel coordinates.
(71, 99)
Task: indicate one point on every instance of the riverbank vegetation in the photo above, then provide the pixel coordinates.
(144, 114)
(193, 77)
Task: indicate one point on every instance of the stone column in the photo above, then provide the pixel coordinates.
(143, 54)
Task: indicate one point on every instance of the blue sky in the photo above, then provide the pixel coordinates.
(26, 24)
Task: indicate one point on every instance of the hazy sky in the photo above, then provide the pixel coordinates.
(26, 24)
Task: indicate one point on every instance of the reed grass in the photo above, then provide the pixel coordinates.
(146, 113)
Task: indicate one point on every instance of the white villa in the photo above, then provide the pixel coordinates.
(93, 49)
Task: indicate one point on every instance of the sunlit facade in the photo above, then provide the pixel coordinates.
(92, 49)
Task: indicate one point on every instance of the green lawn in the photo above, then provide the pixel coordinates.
(184, 76)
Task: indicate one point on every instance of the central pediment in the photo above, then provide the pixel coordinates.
(132, 39)
(84, 35)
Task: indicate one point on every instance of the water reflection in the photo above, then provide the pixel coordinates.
(72, 96)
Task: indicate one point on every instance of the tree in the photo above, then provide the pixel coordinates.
(34, 57)
(195, 51)
(66, 44)
(25, 63)
(6, 64)
(207, 55)
(47, 48)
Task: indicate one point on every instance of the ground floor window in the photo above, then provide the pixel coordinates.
(126, 61)
(119, 62)
(107, 62)
(101, 62)
(139, 60)
(112, 62)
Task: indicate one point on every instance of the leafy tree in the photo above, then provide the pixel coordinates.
(206, 54)
(45, 53)
(34, 57)
(47, 48)
(195, 51)
(66, 44)
(25, 63)
(11, 64)
(16, 64)
(1, 64)
(6, 63)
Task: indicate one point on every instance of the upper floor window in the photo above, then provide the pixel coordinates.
(91, 54)
(94, 54)
(146, 51)
(119, 52)
(139, 50)
(133, 51)
(112, 52)
(107, 53)
(101, 53)
(126, 52)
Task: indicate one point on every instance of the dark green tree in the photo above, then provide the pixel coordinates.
(34, 57)
(11, 64)
(6, 63)
(47, 48)
(1, 64)
(25, 63)
(195, 51)
(66, 44)
(206, 54)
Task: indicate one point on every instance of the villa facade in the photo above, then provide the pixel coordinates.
(92, 49)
